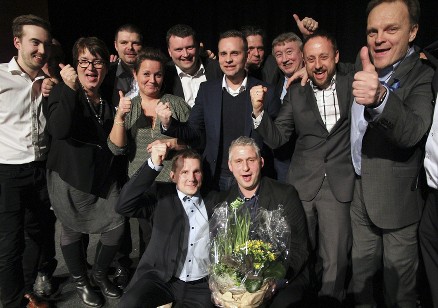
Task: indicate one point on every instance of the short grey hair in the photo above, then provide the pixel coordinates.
(286, 37)
(244, 141)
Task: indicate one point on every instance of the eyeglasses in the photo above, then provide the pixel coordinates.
(96, 63)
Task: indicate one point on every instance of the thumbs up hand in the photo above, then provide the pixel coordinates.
(69, 76)
(367, 88)
(124, 106)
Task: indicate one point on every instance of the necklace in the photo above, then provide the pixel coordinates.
(98, 116)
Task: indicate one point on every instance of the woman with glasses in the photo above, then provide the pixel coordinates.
(84, 178)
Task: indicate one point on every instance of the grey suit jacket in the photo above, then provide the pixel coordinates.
(317, 151)
(393, 148)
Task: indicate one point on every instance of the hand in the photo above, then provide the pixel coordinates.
(158, 153)
(113, 58)
(164, 113)
(300, 74)
(124, 106)
(257, 94)
(172, 144)
(69, 76)
(47, 86)
(206, 52)
(272, 288)
(367, 88)
(306, 26)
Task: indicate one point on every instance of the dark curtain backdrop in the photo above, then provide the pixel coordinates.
(346, 19)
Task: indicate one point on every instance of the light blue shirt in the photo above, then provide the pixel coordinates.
(358, 122)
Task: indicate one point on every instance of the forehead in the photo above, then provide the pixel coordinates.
(317, 45)
(254, 40)
(177, 41)
(243, 152)
(388, 13)
(127, 36)
(188, 164)
(287, 45)
(231, 43)
(36, 32)
(85, 53)
(150, 65)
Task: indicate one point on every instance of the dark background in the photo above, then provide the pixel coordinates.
(73, 19)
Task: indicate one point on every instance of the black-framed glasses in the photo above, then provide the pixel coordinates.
(96, 63)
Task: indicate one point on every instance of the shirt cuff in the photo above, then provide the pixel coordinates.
(256, 121)
(374, 113)
(152, 166)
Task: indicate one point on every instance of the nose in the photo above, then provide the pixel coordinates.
(318, 63)
(185, 52)
(284, 59)
(130, 45)
(41, 49)
(380, 37)
(256, 52)
(245, 166)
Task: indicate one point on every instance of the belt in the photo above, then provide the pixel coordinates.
(193, 282)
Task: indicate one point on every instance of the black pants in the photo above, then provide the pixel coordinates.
(24, 210)
(148, 292)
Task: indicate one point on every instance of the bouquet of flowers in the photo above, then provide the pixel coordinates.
(247, 251)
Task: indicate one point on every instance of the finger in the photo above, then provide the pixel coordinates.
(367, 66)
(297, 18)
(121, 94)
(61, 65)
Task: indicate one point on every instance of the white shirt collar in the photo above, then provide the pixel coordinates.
(198, 73)
(14, 68)
(238, 90)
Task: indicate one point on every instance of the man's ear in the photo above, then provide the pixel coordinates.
(230, 166)
(262, 162)
(17, 43)
(172, 176)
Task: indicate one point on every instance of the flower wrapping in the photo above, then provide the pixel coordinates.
(248, 250)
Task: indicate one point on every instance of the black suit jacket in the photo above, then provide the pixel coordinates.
(172, 82)
(204, 123)
(143, 197)
(317, 152)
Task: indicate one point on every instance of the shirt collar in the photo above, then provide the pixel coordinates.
(196, 198)
(198, 73)
(331, 87)
(239, 90)
(121, 70)
(15, 69)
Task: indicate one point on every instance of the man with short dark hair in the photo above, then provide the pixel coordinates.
(390, 117)
(24, 201)
(188, 69)
(321, 168)
(222, 111)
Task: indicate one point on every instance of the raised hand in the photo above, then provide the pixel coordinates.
(164, 113)
(300, 74)
(306, 26)
(113, 58)
(367, 88)
(47, 86)
(257, 94)
(124, 106)
(158, 153)
(69, 76)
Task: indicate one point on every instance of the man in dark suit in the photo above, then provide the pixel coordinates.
(222, 111)
(173, 268)
(321, 168)
(391, 115)
(428, 230)
(188, 69)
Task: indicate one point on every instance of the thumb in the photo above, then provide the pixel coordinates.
(61, 65)
(367, 66)
(297, 19)
(121, 94)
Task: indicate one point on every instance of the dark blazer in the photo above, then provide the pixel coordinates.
(143, 197)
(79, 151)
(393, 148)
(268, 71)
(317, 151)
(172, 82)
(204, 123)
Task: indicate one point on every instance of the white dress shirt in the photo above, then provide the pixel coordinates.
(191, 84)
(431, 157)
(327, 101)
(22, 120)
(238, 90)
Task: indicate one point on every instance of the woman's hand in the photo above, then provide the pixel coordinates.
(69, 76)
